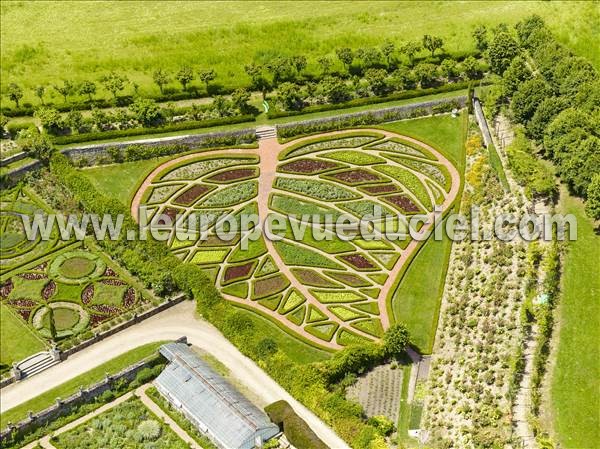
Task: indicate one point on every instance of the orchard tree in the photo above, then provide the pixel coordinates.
(377, 81)
(161, 79)
(516, 73)
(395, 340)
(388, 49)
(39, 92)
(325, 64)
(206, 76)
(74, 120)
(578, 162)
(288, 94)
(425, 73)
(38, 145)
(240, 99)
(528, 29)
(49, 118)
(65, 90)
(15, 93)
(259, 82)
(185, 76)
(334, 89)
(432, 43)
(370, 56)
(546, 111)
(299, 63)
(99, 118)
(87, 88)
(592, 204)
(114, 83)
(146, 111)
(470, 68)
(502, 50)
(481, 38)
(281, 69)
(527, 98)
(448, 68)
(346, 55)
(410, 49)
(402, 78)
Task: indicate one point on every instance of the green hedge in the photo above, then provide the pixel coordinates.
(105, 135)
(297, 431)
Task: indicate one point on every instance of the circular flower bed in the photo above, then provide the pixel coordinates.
(76, 267)
(69, 319)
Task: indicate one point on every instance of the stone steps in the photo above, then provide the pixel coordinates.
(36, 364)
(266, 132)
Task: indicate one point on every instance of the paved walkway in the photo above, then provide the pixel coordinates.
(169, 325)
(522, 404)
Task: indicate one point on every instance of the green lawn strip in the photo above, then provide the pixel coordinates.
(179, 418)
(575, 377)
(296, 347)
(17, 340)
(496, 164)
(404, 414)
(300, 256)
(66, 389)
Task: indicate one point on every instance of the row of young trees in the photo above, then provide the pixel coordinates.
(555, 96)
(264, 77)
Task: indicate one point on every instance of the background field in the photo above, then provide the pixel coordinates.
(574, 383)
(45, 42)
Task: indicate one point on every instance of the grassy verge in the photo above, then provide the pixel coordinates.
(404, 414)
(17, 340)
(66, 389)
(576, 376)
(496, 164)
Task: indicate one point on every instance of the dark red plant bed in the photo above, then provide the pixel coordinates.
(49, 290)
(378, 190)
(32, 276)
(358, 261)
(6, 288)
(87, 294)
(308, 166)
(24, 303)
(25, 313)
(115, 282)
(188, 197)
(129, 297)
(233, 175)
(97, 319)
(356, 176)
(170, 212)
(238, 272)
(109, 272)
(402, 202)
(265, 287)
(310, 277)
(349, 279)
(106, 309)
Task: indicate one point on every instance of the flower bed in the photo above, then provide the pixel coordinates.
(402, 203)
(232, 195)
(352, 141)
(269, 286)
(358, 261)
(356, 177)
(312, 188)
(307, 166)
(237, 174)
(190, 196)
(238, 272)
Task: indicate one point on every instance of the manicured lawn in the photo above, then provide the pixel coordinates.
(68, 388)
(46, 42)
(17, 341)
(121, 181)
(575, 385)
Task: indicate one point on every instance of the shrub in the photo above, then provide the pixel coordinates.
(149, 430)
(295, 428)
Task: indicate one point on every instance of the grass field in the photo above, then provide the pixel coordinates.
(43, 43)
(17, 341)
(68, 388)
(575, 385)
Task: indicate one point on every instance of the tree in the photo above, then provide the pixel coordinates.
(74, 120)
(266, 348)
(281, 69)
(299, 63)
(528, 28)
(592, 204)
(288, 94)
(501, 52)
(114, 83)
(425, 73)
(448, 68)
(345, 55)
(15, 93)
(481, 39)
(49, 118)
(388, 49)
(410, 49)
(578, 162)
(206, 76)
(395, 340)
(87, 88)
(100, 118)
(240, 99)
(185, 76)
(402, 78)
(432, 43)
(470, 68)
(325, 64)
(259, 82)
(36, 144)
(527, 98)
(161, 79)
(546, 111)
(516, 73)
(221, 105)
(370, 56)
(334, 89)
(146, 111)
(65, 90)
(377, 81)
(39, 92)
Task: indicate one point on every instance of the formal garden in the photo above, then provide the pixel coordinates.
(330, 290)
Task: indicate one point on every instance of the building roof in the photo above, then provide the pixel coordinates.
(230, 417)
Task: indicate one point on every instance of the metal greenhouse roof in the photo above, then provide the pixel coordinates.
(210, 401)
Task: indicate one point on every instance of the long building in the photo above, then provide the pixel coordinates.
(211, 403)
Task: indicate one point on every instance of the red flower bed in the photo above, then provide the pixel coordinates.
(309, 166)
(239, 271)
(6, 288)
(129, 297)
(376, 190)
(97, 319)
(358, 261)
(87, 294)
(264, 287)
(115, 282)
(32, 276)
(24, 313)
(49, 290)
(105, 309)
(402, 202)
(109, 272)
(356, 176)
(233, 175)
(170, 212)
(191, 195)
(24, 303)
